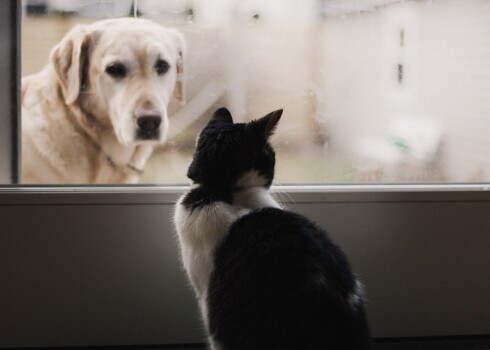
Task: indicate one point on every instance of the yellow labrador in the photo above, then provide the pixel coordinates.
(96, 111)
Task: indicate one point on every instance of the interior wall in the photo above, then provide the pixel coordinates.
(82, 269)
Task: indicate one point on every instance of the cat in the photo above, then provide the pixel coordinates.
(265, 278)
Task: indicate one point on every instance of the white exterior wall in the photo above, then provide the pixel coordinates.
(446, 57)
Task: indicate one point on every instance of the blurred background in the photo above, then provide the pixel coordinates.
(373, 91)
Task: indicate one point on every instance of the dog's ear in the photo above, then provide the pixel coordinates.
(68, 58)
(179, 90)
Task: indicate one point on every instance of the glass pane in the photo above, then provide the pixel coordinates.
(373, 91)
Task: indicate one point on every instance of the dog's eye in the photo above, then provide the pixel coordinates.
(116, 70)
(161, 67)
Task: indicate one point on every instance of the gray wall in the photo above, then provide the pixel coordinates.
(81, 267)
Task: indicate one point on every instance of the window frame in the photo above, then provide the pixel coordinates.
(10, 93)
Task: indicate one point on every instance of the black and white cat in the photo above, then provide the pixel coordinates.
(265, 278)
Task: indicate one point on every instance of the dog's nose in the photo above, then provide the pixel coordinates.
(149, 123)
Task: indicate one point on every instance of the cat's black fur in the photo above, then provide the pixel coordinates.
(278, 281)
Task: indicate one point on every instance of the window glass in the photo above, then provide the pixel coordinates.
(373, 91)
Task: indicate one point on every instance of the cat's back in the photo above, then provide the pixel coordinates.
(287, 239)
(280, 283)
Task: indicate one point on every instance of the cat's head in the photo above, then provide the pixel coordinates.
(235, 155)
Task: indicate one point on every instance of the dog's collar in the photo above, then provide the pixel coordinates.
(90, 132)
(128, 168)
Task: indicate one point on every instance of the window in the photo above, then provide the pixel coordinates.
(97, 266)
(377, 91)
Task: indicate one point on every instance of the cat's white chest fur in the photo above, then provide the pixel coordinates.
(202, 229)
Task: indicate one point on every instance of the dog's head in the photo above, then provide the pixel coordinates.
(122, 74)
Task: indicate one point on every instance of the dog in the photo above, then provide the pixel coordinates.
(96, 111)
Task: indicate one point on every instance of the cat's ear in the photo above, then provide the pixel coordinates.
(267, 125)
(223, 114)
